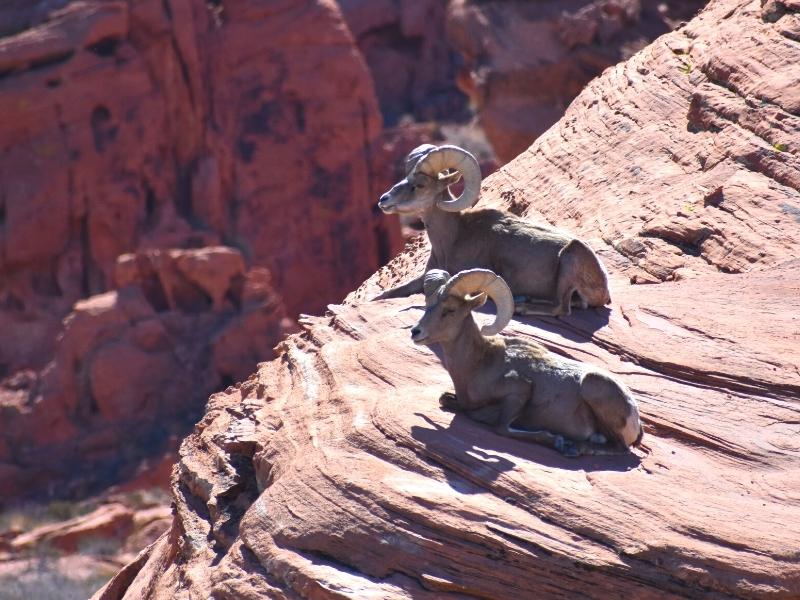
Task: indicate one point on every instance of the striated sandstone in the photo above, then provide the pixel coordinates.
(332, 472)
(524, 62)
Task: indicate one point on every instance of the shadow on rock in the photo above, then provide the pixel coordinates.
(580, 326)
(472, 451)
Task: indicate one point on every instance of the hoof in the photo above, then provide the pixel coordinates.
(566, 447)
(448, 400)
(598, 438)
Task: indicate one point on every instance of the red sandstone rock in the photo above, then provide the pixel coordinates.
(333, 473)
(71, 558)
(133, 367)
(207, 272)
(108, 520)
(141, 125)
(525, 61)
(148, 525)
(136, 137)
(411, 61)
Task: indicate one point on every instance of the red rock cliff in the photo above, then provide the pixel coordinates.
(411, 60)
(332, 473)
(182, 123)
(176, 179)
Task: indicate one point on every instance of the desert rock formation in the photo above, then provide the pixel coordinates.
(167, 169)
(332, 472)
(130, 126)
(412, 62)
(524, 62)
(133, 367)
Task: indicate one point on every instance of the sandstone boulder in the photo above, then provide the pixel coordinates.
(107, 521)
(133, 368)
(68, 549)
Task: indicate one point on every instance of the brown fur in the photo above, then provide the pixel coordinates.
(542, 264)
(524, 391)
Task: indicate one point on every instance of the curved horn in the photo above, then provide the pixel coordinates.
(433, 281)
(458, 159)
(475, 281)
(416, 154)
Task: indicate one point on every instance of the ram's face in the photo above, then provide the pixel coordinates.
(443, 319)
(416, 194)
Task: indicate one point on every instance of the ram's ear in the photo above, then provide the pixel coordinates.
(450, 177)
(432, 284)
(476, 301)
(432, 298)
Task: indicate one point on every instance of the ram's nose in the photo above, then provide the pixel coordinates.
(417, 335)
(384, 203)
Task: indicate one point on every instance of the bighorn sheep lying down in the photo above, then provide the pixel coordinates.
(548, 270)
(515, 385)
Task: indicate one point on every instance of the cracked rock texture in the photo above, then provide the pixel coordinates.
(332, 472)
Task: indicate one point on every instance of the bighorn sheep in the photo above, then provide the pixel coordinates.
(546, 268)
(515, 385)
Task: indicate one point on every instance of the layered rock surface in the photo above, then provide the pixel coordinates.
(332, 472)
(523, 62)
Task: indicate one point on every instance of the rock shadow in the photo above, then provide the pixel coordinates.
(580, 326)
(470, 450)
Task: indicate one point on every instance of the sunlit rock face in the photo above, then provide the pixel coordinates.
(179, 124)
(227, 148)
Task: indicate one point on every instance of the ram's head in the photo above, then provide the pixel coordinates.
(450, 300)
(430, 171)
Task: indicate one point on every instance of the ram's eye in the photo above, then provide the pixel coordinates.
(447, 312)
